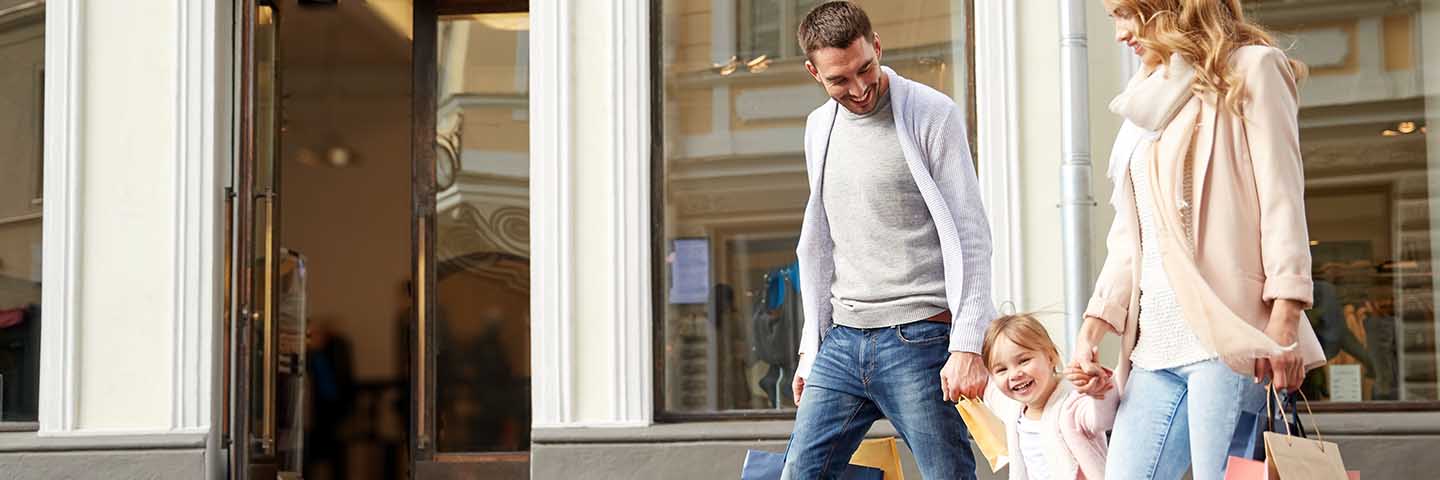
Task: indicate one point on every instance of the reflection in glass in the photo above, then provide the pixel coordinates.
(482, 319)
(22, 62)
(735, 98)
(1371, 168)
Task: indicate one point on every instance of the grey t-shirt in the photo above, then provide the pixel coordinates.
(888, 265)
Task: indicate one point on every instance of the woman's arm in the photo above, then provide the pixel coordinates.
(1272, 135)
(1110, 303)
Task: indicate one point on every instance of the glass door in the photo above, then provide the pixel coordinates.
(472, 351)
(264, 330)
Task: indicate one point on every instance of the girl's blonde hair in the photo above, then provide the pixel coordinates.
(1205, 33)
(1025, 331)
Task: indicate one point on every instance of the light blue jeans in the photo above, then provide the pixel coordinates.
(1174, 418)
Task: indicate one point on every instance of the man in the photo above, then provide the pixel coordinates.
(894, 241)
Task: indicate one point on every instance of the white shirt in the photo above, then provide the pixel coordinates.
(1032, 448)
(1166, 340)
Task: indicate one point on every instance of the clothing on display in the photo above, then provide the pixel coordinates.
(775, 333)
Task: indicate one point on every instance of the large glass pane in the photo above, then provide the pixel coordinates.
(735, 96)
(482, 243)
(1372, 169)
(22, 73)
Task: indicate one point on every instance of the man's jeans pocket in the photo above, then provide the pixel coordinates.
(923, 333)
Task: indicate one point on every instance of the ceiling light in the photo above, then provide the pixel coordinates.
(1406, 127)
(1390, 133)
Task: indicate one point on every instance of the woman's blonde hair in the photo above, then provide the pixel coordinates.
(1024, 330)
(1205, 33)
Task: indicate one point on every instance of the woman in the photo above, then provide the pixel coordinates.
(1208, 268)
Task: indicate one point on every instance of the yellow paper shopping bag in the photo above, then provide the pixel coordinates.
(988, 430)
(881, 453)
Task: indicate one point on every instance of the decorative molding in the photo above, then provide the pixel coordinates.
(1329, 47)
(551, 240)
(630, 88)
(998, 132)
(790, 102)
(58, 360)
(196, 221)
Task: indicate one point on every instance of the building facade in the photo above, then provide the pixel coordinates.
(500, 238)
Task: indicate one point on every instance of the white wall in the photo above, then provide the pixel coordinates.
(1038, 65)
(590, 215)
(594, 220)
(131, 144)
(127, 203)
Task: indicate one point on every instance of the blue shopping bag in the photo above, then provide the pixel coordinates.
(1248, 441)
(763, 465)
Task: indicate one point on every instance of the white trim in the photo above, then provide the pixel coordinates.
(997, 134)
(59, 378)
(196, 215)
(630, 124)
(551, 243)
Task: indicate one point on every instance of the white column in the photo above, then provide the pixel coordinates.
(135, 135)
(551, 301)
(996, 136)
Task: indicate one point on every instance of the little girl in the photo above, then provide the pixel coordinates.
(1053, 431)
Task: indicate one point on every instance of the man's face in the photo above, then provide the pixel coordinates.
(851, 75)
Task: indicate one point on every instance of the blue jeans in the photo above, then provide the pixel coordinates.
(1174, 418)
(861, 375)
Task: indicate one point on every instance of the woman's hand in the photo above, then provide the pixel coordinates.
(1286, 369)
(1088, 383)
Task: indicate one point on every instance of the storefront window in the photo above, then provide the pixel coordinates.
(733, 102)
(22, 62)
(1372, 172)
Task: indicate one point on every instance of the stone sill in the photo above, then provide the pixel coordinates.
(1330, 424)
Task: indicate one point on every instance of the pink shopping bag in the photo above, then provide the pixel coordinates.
(1247, 469)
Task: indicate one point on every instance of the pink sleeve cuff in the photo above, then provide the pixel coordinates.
(1111, 312)
(1290, 287)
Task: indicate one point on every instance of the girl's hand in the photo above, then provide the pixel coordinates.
(1093, 384)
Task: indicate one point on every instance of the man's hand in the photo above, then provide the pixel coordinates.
(1285, 369)
(797, 387)
(964, 376)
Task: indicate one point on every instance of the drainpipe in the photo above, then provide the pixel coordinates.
(1075, 198)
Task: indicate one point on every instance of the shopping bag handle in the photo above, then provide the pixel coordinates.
(1280, 405)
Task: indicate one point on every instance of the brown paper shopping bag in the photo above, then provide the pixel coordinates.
(881, 453)
(988, 430)
(1290, 456)
(1295, 458)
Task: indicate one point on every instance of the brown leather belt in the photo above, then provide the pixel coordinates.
(942, 317)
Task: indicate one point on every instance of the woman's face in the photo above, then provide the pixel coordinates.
(1127, 31)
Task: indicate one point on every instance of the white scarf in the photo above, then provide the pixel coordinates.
(1148, 104)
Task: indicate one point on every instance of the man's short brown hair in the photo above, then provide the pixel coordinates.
(832, 25)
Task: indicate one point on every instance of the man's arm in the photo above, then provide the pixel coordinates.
(953, 169)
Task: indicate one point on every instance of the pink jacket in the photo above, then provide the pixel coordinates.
(1251, 243)
(1075, 426)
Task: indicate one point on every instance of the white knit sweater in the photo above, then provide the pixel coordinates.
(1165, 341)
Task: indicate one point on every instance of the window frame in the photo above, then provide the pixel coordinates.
(659, 244)
(25, 16)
